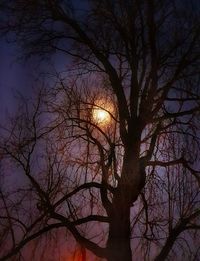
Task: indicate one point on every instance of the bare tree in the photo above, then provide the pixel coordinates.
(134, 171)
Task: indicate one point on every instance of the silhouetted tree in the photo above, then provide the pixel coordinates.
(137, 172)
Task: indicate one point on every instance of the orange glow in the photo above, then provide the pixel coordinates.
(101, 116)
(78, 255)
(101, 112)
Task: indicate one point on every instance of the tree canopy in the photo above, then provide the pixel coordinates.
(110, 152)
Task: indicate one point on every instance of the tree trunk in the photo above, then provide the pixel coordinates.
(118, 244)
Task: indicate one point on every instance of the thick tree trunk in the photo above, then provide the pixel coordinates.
(118, 244)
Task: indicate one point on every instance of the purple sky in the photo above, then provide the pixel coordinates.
(19, 75)
(15, 76)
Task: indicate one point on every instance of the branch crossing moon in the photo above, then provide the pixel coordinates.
(101, 116)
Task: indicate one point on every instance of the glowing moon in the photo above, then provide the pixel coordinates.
(102, 112)
(101, 116)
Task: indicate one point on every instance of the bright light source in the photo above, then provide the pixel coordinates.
(101, 116)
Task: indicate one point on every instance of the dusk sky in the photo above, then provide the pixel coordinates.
(19, 75)
(15, 76)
